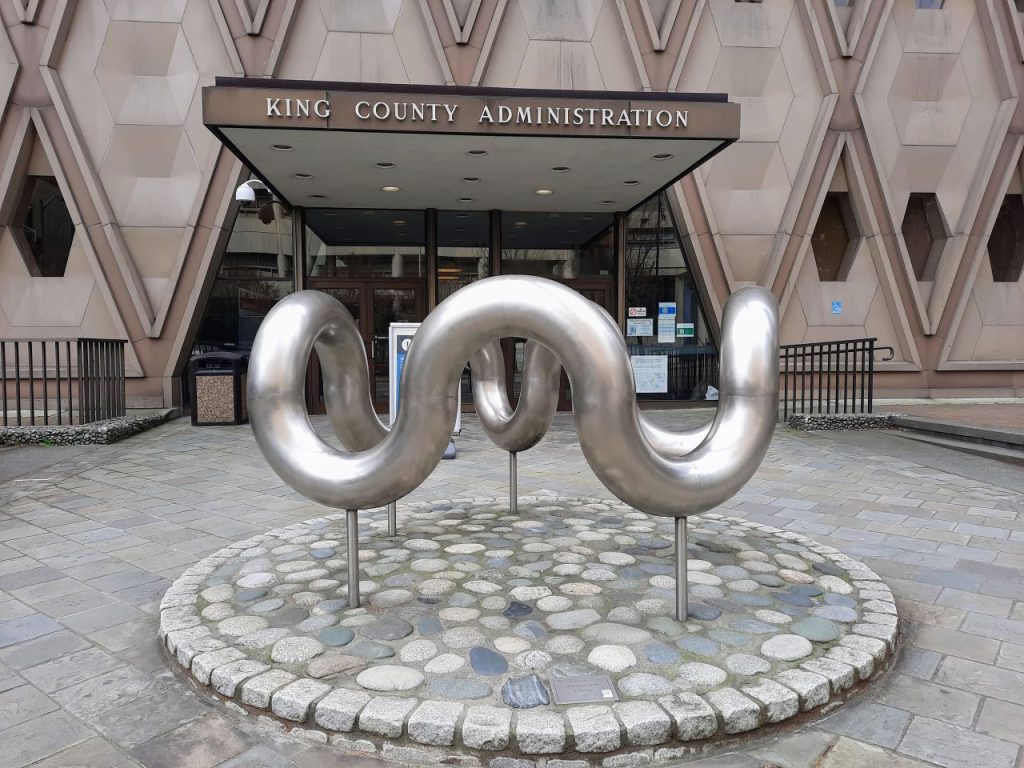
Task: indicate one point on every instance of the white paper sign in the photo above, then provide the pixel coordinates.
(638, 311)
(640, 327)
(650, 373)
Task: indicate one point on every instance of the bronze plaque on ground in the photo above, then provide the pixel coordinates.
(586, 689)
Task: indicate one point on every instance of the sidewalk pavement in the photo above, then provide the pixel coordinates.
(88, 546)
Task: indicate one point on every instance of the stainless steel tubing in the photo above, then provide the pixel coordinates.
(524, 427)
(513, 484)
(652, 469)
(352, 543)
(682, 587)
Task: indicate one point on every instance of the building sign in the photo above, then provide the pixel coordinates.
(666, 322)
(837, 307)
(478, 110)
(500, 114)
(400, 337)
(685, 330)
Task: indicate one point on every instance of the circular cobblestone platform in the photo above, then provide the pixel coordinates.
(471, 612)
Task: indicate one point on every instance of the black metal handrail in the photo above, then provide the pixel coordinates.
(829, 376)
(72, 375)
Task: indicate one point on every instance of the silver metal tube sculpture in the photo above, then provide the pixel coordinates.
(648, 467)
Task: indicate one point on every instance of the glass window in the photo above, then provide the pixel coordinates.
(559, 245)
(261, 243)
(257, 269)
(46, 231)
(348, 242)
(665, 324)
(924, 232)
(1006, 244)
(463, 250)
(834, 238)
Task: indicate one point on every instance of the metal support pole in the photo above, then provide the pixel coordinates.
(393, 518)
(513, 484)
(682, 588)
(352, 534)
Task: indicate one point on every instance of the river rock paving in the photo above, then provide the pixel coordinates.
(471, 605)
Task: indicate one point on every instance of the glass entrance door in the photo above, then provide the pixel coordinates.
(374, 305)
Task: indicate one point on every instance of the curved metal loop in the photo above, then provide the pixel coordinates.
(524, 427)
(637, 461)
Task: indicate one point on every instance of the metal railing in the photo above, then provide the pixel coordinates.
(688, 368)
(829, 376)
(61, 381)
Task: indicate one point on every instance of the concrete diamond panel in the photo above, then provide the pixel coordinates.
(579, 45)
(748, 188)
(146, 10)
(567, 20)
(751, 25)
(925, 31)
(929, 98)
(360, 15)
(762, 56)
(151, 175)
(755, 78)
(146, 73)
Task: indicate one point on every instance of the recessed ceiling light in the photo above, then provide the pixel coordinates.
(544, 192)
(319, 197)
(385, 165)
(520, 223)
(302, 175)
(631, 182)
(389, 189)
(462, 215)
(399, 222)
(465, 199)
(607, 202)
(460, 229)
(477, 153)
(561, 168)
(282, 147)
(471, 179)
(662, 156)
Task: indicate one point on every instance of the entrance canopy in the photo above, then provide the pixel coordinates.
(352, 145)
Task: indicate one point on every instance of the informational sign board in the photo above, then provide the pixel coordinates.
(685, 330)
(642, 327)
(400, 337)
(837, 307)
(666, 322)
(650, 373)
(638, 311)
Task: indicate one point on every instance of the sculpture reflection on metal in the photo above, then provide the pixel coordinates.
(672, 474)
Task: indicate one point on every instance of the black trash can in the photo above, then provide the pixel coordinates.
(218, 388)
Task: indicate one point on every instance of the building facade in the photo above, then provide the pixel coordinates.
(876, 185)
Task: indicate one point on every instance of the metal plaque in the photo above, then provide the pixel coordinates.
(586, 689)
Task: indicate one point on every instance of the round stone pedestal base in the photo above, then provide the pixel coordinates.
(471, 615)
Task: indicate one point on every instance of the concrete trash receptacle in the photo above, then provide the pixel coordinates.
(218, 388)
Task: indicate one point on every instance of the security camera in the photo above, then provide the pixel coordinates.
(245, 194)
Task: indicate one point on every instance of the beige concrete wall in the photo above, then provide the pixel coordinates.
(879, 100)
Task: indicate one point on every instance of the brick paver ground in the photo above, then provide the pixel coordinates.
(88, 545)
